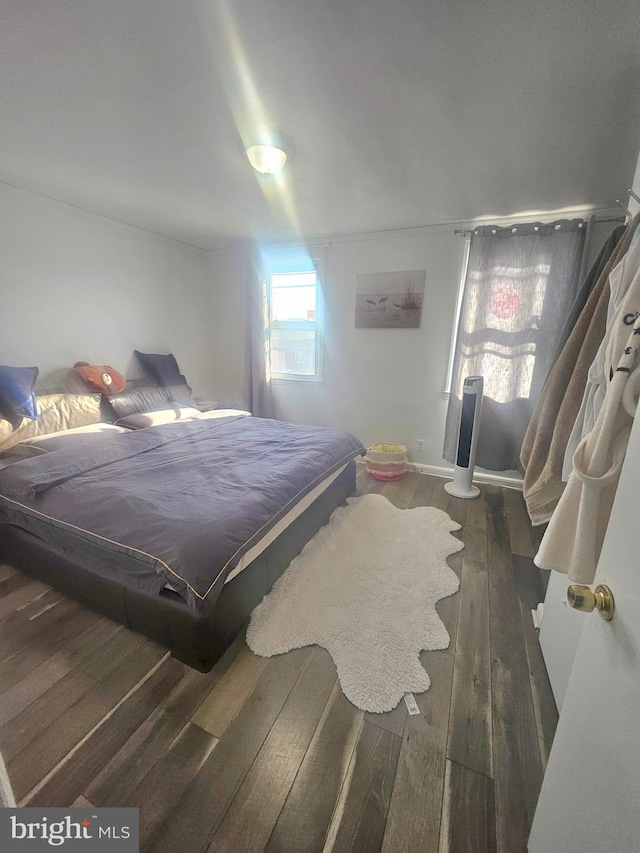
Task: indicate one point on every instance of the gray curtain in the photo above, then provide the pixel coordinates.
(521, 282)
(257, 380)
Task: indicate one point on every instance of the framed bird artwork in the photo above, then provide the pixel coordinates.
(390, 300)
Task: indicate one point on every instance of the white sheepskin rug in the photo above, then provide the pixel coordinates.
(365, 588)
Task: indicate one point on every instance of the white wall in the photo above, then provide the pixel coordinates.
(382, 385)
(74, 286)
(228, 280)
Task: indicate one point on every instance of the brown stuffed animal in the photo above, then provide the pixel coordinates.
(99, 377)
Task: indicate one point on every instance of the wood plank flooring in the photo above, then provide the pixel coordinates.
(268, 754)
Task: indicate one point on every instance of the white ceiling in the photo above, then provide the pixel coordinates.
(402, 112)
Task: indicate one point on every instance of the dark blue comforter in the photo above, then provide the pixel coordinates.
(177, 504)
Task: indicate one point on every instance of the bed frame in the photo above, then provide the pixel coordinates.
(196, 639)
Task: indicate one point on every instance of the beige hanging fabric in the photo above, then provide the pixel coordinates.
(623, 286)
(573, 539)
(545, 442)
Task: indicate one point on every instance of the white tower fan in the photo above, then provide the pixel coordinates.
(461, 485)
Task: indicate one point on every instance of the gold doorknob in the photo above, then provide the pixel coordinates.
(586, 599)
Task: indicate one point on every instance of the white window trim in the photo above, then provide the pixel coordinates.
(456, 316)
(317, 255)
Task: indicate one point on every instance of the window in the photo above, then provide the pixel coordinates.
(295, 310)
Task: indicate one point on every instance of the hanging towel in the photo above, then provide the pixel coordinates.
(545, 441)
(573, 539)
(623, 299)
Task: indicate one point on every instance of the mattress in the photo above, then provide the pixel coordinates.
(184, 504)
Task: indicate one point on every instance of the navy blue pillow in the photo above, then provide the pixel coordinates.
(17, 400)
(161, 369)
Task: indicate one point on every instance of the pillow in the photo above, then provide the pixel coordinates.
(17, 399)
(55, 412)
(148, 398)
(161, 416)
(99, 377)
(162, 369)
(75, 437)
(223, 413)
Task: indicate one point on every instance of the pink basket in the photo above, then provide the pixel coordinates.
(386, 461)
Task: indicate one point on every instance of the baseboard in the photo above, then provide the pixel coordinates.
(447, 474)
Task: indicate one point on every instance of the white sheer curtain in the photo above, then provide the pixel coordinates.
(521, 282)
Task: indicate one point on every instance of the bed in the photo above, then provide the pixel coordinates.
(177, 529)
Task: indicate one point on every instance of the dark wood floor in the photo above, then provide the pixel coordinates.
(267, 754)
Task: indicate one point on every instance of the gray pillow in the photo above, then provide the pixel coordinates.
(148, 398)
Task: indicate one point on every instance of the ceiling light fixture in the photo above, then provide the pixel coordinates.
(266, 159)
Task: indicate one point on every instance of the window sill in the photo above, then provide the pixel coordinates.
(296, 380)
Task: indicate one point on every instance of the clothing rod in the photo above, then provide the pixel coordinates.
(622, 207)
(460, 233)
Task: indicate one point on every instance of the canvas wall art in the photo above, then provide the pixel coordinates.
(390, 300)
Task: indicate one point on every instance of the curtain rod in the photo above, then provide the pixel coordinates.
(463, 233)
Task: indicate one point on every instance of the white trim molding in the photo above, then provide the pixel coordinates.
(447, 474)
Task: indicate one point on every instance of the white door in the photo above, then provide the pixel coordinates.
(590, 798)
(560, 631)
